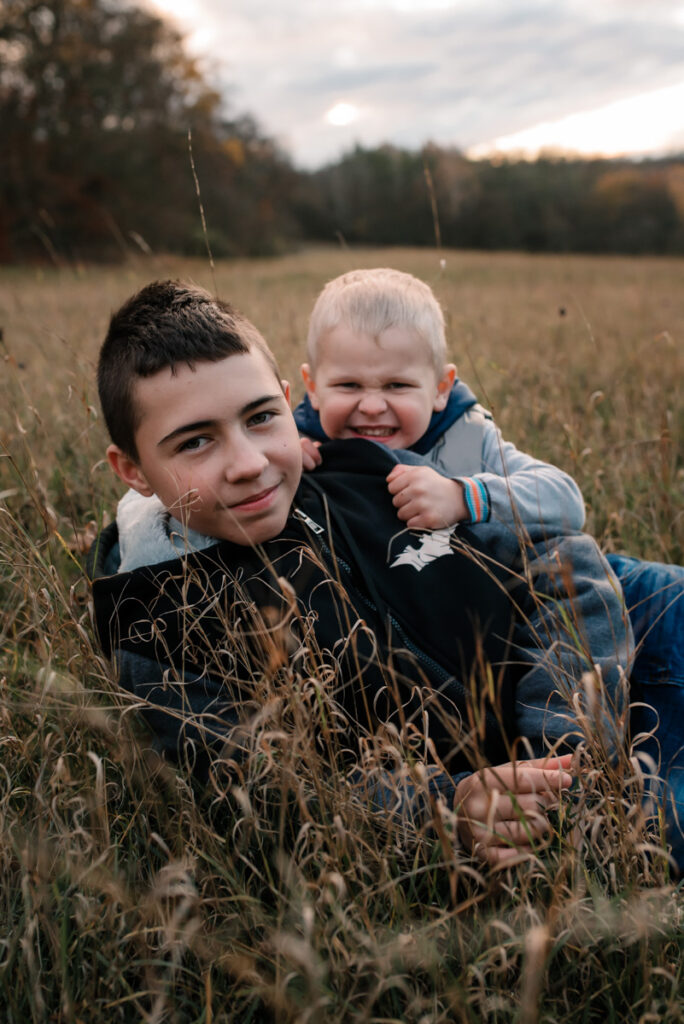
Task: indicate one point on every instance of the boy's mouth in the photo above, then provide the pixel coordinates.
(376, 433)
(252, 503)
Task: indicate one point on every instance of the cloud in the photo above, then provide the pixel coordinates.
(459, 72)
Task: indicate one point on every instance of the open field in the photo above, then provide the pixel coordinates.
(128, 896)
(580, 359)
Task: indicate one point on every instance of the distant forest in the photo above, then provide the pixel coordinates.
(99, 102)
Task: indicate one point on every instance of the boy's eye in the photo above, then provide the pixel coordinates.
(348, 385)
(258, 419)
(193, 444)
(395, 385)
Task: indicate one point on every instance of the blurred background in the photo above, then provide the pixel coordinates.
(498, 124)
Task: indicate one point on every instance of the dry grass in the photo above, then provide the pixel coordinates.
(129, 895)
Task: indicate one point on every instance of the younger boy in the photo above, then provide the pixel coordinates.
(377, 369)
(224, 570)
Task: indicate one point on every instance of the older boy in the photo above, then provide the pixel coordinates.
(225, 568)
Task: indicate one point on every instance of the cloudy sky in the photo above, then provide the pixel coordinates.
(320, 75)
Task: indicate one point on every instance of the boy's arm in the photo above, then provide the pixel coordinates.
(516, 489)
(500, 812)
(574, 637)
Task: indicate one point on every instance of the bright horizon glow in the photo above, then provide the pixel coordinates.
(180, 10)
(639, 124)
(342, 114)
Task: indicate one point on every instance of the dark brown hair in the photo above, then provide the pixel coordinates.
(164, 324)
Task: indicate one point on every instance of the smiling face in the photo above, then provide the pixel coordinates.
(218, 445)
(383, 389)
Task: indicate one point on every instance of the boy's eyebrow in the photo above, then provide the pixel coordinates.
(188, 428)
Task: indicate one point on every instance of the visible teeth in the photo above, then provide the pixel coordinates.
(375, 431)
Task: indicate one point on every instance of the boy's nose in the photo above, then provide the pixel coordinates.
(372, 404)
(246, 462)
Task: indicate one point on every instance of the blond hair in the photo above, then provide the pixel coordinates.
(371, 301)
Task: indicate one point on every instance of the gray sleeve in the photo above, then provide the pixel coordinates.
(394, 794)
(573, 621)
(525, 491)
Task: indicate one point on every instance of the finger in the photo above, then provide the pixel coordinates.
(410, 510)
(408, 515)
(422, 521)
(539, 780)
(411, 506)
(401, 495)
(547, 761)
(535, 803)
(311, 456)
(533, 826)
(398, 471)
(495, 855)
(546, 790)
(494, 807)
(396, 485)
(564, 762)
(526, 805)
(517, 833)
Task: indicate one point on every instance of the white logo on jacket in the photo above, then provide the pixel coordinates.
(434, 544)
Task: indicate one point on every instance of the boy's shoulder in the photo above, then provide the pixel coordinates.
(458, 450)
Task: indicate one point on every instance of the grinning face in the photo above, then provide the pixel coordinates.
(380, 389)
(218, 445)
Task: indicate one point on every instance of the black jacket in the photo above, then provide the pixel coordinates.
(397, 625)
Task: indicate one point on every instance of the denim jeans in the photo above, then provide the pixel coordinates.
(654, 596)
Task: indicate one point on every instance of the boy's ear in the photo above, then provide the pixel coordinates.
(128, 470)
(286, 390)
(309, 384)
(444, 386)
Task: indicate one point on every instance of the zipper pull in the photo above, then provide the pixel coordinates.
(314, 527)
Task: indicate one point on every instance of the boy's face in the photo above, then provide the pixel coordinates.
(383, 389)
(218, 445)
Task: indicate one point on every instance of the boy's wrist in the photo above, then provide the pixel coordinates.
(476, 499)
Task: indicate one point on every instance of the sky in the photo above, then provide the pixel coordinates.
(485, 76)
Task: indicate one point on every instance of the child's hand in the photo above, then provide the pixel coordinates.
(425, 499)
(311, 457)
(502, 811)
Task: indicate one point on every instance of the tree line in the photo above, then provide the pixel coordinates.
(109, 131)
(554, 204)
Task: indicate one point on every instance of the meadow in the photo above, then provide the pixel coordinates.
(128, 894)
